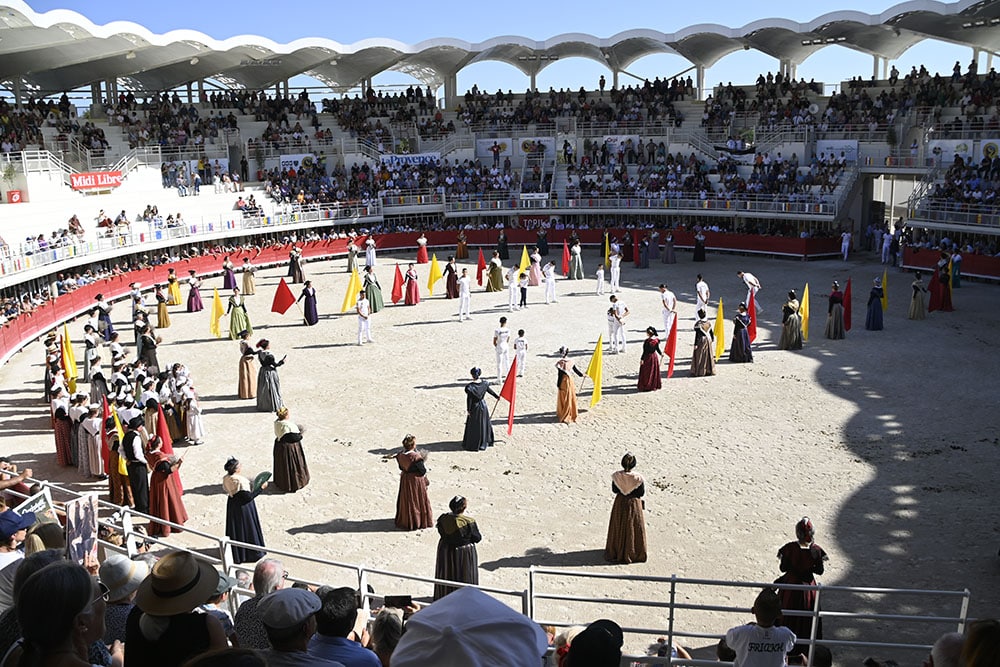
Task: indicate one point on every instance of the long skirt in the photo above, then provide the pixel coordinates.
(194, 301)
(228, 280)
(165, 503)
(649, 373)
(703, 360)
(835, 322)
(422, 257)
(478, 429)
(249, 283)
(162, 316)
(247, 386)
(668, 256)
(699, 252)
(451, 286)
(495, 282)
(64, 434)
(740, 351)
(174, 297)
(626, 532)
(243, 525)
(462, 250)
(291, 472)
(566, 411)
(309, 310)
(800, 600)
(239, 322)
(956, 274)
(791, 333)
(455, 564)
(298, 274)
(374, 294)
(412, 297)
(268, 390)
(534, 274)
(413, 507)
(118, 487)
(654, 250)
(175, 423)
(918, 306)
(98, 388)
(75, 434)
(873, 318)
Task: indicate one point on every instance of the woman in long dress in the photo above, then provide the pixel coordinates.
(194, 303)
(626, 541)
(413, 506)
(291, 472)
(740, 351)
(89, 462)
(669, 256)
(494, 282)
(535, 268)
(247, 384)
(295, 270)
(502, 250)
(352, 257)
(373, 290)
(835, 313)
(77, 414)
(918, 302)
(801, 561)
(542, 241)
(654, 245)
(649, 368)
(268, 385)
(873, 318)
(162, 314)
(457, 559)
(165, 500)
(228, 275)
(62, 426)
(791, 324)
(575, 261)
(627, 249)
(944, 286)
(699, 247)
(148, 343)
(239, 320)
(249, 280)
(703, 359)
(411, 287)
(194, 425)
(309, 310)
(462, 245)
(566, 412)
(422, 257)
(450, 279)
(370, 251)
(478, 429)
(242, 520)
(173, 289)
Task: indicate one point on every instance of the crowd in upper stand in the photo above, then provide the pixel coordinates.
(968, 187)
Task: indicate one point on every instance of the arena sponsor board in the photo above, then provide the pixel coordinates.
(849, 147)
(618, 142)
(95, 180)
(415, 158)
(949, 149)
(295, 160)
(533, 221)
(525, 144)
(989, 148)
(192, 166)
(534, 196)
(484, 147)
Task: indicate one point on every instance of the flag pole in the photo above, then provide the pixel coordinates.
(495, 405)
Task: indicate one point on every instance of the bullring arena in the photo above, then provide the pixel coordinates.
(887, 439)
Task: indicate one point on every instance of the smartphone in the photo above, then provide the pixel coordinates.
(398, 601)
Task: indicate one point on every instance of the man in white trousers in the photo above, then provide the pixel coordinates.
(620, 311)
(513, 290)
(549, 274)
(753, 286)
(464, 296)
(669, 301)
(616, 272)
(704, 294)
(501, 341)
(364, 319)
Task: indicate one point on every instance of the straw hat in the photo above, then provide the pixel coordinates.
(178, 583)
(122, 575)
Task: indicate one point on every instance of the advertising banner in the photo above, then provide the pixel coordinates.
(849, 147)
(484, 147)
(415, 158)
(525, 145)
(95, 180)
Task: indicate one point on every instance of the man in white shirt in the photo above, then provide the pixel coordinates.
(669, 302)
(618, 336)
(753, 286)
(704, 294)
(845, 244)
(501, 341)
(762, 644)
(512, 288)
(464, 295)
(616, 272)
(364, 319)
(549, 275)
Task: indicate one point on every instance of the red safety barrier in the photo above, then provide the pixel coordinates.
(980, 266)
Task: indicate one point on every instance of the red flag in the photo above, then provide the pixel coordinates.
(167, 446)
(397, 286)
(671, 348)
(934, 303)
(635, 250)
(565, 262)
(283, 298)
(105, 447)
(480, 267)
(752, 307)
(847, 306)
(509, 392)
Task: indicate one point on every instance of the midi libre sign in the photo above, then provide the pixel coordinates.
(96, 180)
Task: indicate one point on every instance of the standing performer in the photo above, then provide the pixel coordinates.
(791, 324)
(626, 541)
(873, 320)
(478, 429)
(133, 447)
(413, 506)
(364, 311)
(462, 246)
(464, 296)
(502, 250)
(162, 314)
(228, 275)
(618, 337)
(566, 412)
(668, 301)
(62, 426)
(616, 272)
(535, 268)
(522, 286)
(165, 500)
(422, 257)
(494, 281)
(457, 559)
(740, 351)
(104, 325)
(753, 286)
(411, 287)
(845, 243)
(194, 293)
(242, 520)
(451, 279)
(148, 343)
(512, 288)
(268, 384)
(373, 290)
(501, 341)
(90, 341)
(669, 256)
(370, 251)
(835, 313)
(918, 302)
(649, 368)
(801, 561)
(542, 241)
(549, 275)
(249, 281)
(295, 262)
(291, 472)
(703, 359)
(352, 257)
(173, 289)
(599, 275)
(247, 385)
(521, 352)
(704, 294)
(575, 261)
(309, 310)
(699, 246)
(239, 320)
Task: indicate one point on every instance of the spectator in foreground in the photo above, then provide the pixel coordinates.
(387, 630)
(599, 645)
(289, 619)
(762, 644)
(122, 576)
(228, 657)
(947, 651)
(335, 623)
(982, 644)
(268, 576)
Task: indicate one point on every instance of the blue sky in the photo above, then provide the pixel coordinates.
(412, 22)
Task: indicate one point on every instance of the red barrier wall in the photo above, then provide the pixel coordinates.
(982, 266)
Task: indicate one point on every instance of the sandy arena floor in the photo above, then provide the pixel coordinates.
(887, 440)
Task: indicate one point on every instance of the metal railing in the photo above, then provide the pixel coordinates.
(712, 207)
(979, 218)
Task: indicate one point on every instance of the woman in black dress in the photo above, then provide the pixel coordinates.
(457, 559)
(502, 246)
(268, 384)
(699, 247)
(740, 351)
(242, 520)
(478, 429)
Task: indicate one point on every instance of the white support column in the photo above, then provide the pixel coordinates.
(17, 93)
(875, 60)
(451, 90)
(531, 83)
(614, 79)
(95, 94)
(699, 75)
(201, 90)
(190, 93)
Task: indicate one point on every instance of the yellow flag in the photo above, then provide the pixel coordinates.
(804, 312)
(607, 255)
(594, 369)
(525, 261)
(122, 463)
(720, 332)
(434, 276)
(353, 287)
(217, 312)
(68, 359)
(885, 290)
(951, 278)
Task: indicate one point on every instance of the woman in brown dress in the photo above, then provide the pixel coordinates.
(462, 246)
(248, 374)
(413, 507)
(703, 359)
(627, 528)
(290, 470)
(566, 411)
(164, 494)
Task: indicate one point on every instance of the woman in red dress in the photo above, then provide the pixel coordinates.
(164, 493)
(801, 561)
(412, 290)
(413, 507)
(649, 369)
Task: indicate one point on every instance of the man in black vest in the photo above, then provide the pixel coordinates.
(133, 448)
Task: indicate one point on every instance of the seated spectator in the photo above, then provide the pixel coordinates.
(10, 629)
(335, 621)
(599, 645)
(13, 531)
(762, 643)
(268, 576)
(982, 644)
(228, 657)
(122, 576)
(386, 631)
(214, 607)
(289, 619)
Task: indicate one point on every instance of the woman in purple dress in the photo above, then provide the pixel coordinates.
(228, 275)
(309, 308)
(194, 303)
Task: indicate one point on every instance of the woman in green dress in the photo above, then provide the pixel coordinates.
(373, 291)
(239, 321)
